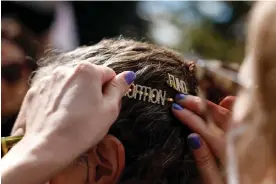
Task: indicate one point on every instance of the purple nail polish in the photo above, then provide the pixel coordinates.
(130, 77)
(194, 141)
(179, 97)
(176, 106)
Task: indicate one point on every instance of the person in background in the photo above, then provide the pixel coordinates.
(249, 150)
(24, 37)
(254, 113)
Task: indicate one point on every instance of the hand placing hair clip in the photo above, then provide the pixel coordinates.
(207, 139)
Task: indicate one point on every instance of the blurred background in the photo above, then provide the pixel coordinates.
(213, 30)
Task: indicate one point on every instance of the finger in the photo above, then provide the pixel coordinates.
(62, 76)
(104, 72)
(19, 126)
(100, 75)
(190, 119)
(61, 72)
(219, 114)
(18, 132)
(228, 102)
(210, 133)
(107, 74)
(118, 86)
(205, 161)
(43, 84)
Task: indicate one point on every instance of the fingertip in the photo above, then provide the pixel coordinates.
(194, 141)
(130, 76)
(190, 102)
(119, 85)
(204, 160)
(227, 102)
(107, 74)
(176, 106)
(180, 97)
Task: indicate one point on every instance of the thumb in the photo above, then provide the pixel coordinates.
(228, 102)
(119, 85)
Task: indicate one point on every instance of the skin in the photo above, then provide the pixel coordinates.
(212, 138)
(13, 93)
(56, 119)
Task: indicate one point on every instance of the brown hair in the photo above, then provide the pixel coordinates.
(154, 141)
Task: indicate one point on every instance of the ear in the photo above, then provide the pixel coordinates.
(107, 160)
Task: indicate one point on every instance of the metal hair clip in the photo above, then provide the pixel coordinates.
(177, 84)
(8, 142)
(148, 94)
(156, 96)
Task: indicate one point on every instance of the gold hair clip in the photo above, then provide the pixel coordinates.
(147, 94)
(156, 96)
(8, 142)
(177, 84)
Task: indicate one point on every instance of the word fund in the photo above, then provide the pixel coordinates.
(177, 84)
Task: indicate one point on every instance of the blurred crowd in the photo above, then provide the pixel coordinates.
(31, 28)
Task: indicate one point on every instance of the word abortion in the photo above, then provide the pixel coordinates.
(156, 96)
(148, 94)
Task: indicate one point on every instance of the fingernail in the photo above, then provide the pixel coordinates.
(176, 106)
(130, 77)
(179, 97)
(194, 141)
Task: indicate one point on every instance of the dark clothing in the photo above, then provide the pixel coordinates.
(98, 20)
(94, 20)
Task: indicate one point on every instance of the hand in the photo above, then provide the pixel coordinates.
(74, 106)
(63, 115)
(228, 102)
(205, 160)
(189, 113)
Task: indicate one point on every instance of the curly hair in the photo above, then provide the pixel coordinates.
(155, 144)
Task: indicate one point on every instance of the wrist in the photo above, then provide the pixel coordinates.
(30, 161)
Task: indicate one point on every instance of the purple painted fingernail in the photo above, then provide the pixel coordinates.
(130, 77)
(194, 141)
(179, 97)
(176, 106)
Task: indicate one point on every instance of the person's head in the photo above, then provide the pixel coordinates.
(146, 144)
(19, 52)
(25, 29)
(255, 108)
